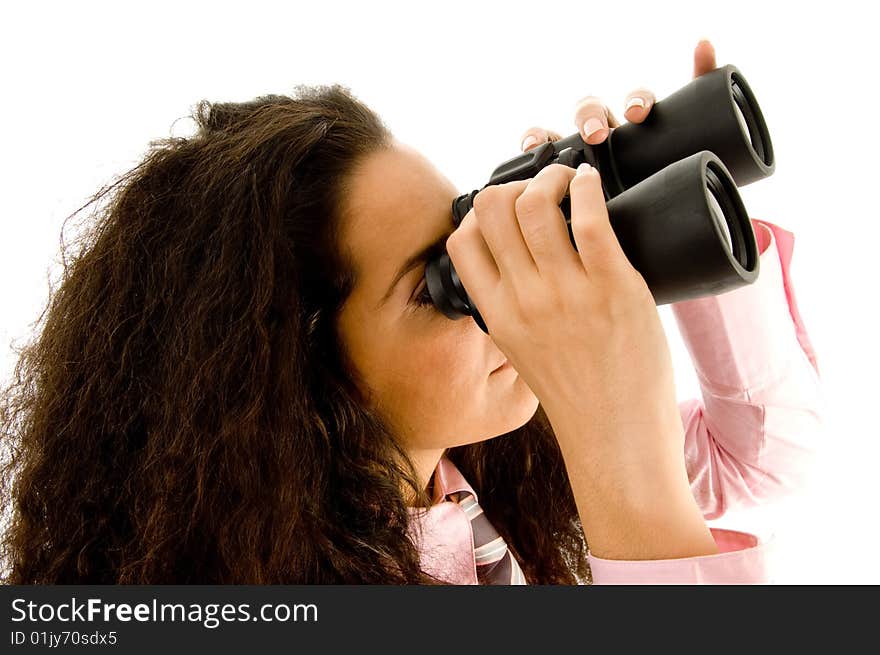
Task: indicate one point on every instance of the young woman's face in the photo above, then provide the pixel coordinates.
(430, 376)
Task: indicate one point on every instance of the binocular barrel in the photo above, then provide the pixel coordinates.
(671, 189)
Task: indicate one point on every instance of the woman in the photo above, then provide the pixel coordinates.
(240, 380)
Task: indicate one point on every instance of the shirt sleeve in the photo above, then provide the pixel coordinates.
(742, 559)
(753, 436)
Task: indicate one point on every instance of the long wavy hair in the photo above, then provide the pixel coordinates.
(185, 411)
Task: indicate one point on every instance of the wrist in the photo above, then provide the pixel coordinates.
(665, 524)
(634, 500)
(637, 462)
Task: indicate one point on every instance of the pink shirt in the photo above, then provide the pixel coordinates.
(749, 440)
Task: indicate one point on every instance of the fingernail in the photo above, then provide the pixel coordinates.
(528, 141)
(583, 168)
(635, 101)
(592, 126)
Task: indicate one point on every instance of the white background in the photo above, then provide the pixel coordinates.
(87, 85)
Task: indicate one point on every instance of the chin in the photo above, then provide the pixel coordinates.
(531, 409)
(517, 415)
(503, 415)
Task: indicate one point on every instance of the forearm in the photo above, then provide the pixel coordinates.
(631, 509)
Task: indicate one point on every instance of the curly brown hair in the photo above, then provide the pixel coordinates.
(186, 413)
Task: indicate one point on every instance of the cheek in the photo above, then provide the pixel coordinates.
(439, 364)
(433, 371)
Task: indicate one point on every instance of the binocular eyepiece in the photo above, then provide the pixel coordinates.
(670, 185)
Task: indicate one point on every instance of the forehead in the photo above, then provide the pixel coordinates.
(397, 202)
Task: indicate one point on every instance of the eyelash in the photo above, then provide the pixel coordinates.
(423, 297)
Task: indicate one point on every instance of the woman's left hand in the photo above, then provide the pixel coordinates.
(595, 121)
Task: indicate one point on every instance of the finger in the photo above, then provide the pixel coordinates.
(473, 261)
(542, 222)
(704, 58)
(591, 118)
(495, 213)
(535, 136)
(638, 104)
(597, 245)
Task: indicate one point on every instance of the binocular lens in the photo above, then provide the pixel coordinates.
(724, 207)
(742, 121)
(752, 128)
(718, 215)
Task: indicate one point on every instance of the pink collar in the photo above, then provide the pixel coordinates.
(448, 479)
(442, 533)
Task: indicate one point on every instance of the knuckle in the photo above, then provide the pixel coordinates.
(627, 278)
(485, 199)
(452, 241)
(530, 203)
(497, 195)
(551, 174)
(593, 110)
(557, 168)
(635, 282)
(461, 236)
(538, 237)
(467, 222)
(585, 231)
(590, 225)
(588, 101)
(583, 180)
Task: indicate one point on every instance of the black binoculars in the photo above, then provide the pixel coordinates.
(670, 184)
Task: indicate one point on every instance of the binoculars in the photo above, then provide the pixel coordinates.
(670, 185)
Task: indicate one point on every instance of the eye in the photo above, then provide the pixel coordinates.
(422, 296)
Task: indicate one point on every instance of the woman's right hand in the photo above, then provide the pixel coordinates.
(580, 327)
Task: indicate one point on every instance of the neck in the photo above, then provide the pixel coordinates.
(426, 463)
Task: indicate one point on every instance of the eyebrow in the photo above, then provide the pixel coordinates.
(433, 249)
